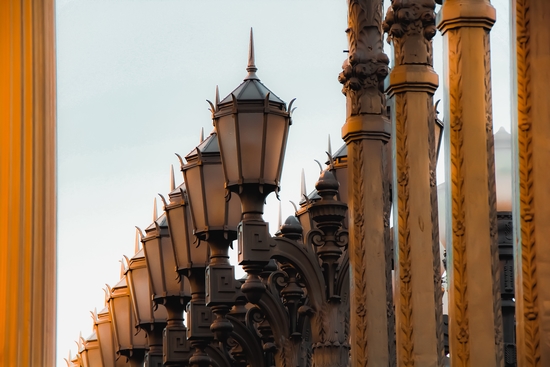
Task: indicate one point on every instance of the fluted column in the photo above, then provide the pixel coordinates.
(531, 133)
(366, 132)
(27, 183)
(410, 86)
(475, 318)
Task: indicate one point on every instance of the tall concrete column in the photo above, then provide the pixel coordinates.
(27, 183)
(475, 318)
(531, 136)
(367, 132)
(410, 86)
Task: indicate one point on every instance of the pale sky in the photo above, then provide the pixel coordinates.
(133, 77)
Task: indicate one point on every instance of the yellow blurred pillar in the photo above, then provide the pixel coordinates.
(531, 132)
(27, 183)
(475, 317)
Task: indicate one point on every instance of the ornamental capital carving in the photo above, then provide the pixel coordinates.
(366, 67)
(410, 25)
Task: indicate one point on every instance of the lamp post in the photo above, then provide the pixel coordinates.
(105, 337)
(252, 163)
(215, 217)
(168, 290)
(152, 320)
(129, 340)
(90, 355)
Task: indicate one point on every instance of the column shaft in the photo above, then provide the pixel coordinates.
(411, 85)
(531, 134)
(27, 183)
(367, 132)
(475, 318)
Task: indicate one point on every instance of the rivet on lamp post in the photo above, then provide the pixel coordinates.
(252, 125)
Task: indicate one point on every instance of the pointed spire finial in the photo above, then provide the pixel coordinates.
(155, 216)
(217, 97)
(172, 179)
(329, 146)
(201, 138)
(251, 68)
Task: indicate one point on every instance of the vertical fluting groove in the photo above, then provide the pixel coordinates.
(438, 290)
(459, 277)
(529, 313)
(405, 328)
(359, 276)
(495, 261)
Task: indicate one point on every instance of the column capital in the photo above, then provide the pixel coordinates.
(359, 127)
(465, 13)
(411, 78)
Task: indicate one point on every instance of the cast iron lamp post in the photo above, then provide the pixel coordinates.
(252, 163)
(90, 355)
(152, 320)
(168, 289)
(129, 341)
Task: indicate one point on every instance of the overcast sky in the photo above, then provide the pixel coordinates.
(133, 77)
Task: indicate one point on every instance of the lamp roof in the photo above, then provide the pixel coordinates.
(207, 147)
(161, 221)
(251, 88)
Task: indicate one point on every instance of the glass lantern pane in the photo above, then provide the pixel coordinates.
(105, 337)
(277, 127)
(195, 195)
(251, 134)
(215, 199)
(120, 311)
(154, 265)
(142, 294)
(225, 127)
(179, 232)
(171, 276)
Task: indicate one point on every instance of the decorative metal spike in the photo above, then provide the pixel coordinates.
(217, 98)
(251, 68)
(320, 166)
(139, 231)
(155, 214)
(329, 146)
(201, 138)
(303, 190)
(172, 179)
(122, 269)
(294, 205)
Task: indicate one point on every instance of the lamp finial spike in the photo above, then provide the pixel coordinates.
(329, 146)
(251, 68)
(155, 216)
(137, 241)
(303, 191)
(217, 97)
(172, 179)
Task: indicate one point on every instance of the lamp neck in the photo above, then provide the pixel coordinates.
(252, 201)
(219, 247)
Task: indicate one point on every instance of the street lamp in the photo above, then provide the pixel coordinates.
(129, 340)
(252, 125)
(105, 337)
(168, 289)
(90, 354)
(152, 320)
